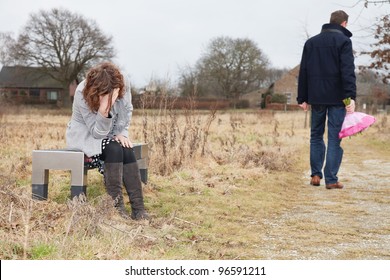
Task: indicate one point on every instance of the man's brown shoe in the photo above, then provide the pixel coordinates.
(337, 185)
(315, 180)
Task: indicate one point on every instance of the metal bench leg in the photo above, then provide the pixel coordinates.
(40, 179)
(144, 175)
(143, 169)
(78, 182)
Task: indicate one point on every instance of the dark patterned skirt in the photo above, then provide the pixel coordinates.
(96, 161)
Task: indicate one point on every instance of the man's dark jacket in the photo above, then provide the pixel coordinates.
(327, 71)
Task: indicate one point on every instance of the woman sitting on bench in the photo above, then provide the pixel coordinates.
(99, 125)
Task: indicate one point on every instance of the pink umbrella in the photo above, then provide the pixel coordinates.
(354, 123)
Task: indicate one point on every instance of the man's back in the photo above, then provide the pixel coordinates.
(327, 74)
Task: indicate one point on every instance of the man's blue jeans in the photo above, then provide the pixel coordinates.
(334, 152)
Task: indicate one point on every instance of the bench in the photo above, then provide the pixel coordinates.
(45, 160)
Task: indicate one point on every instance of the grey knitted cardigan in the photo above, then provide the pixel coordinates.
(87, 129)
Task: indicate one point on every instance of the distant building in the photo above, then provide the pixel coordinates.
(21, 84)
(288, 85)
(254, 97)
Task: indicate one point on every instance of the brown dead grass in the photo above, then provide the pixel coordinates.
(239, 192)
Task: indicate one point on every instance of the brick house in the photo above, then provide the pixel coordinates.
(288, 85)
(21, 84)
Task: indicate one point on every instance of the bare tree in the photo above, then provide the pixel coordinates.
(381, 50)
(6, 41)
(188, 81)
(62, 44)
(232, 67)
(380, 53)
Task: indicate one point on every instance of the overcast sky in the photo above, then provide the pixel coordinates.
(154, 38)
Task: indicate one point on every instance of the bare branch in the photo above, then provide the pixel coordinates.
(380, 54)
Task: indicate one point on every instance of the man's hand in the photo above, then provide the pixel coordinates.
(351, 107)
(304, 106)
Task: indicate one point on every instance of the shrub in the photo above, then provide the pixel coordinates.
(278, 98)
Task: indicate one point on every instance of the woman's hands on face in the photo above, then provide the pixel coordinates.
(124, 141)
(104, 107)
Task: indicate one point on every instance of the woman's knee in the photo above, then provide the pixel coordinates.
(128, 156)
(113, 152)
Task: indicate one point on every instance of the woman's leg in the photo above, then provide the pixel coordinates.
(112, 156)
(133, 185)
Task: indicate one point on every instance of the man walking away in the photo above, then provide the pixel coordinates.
(326, 77)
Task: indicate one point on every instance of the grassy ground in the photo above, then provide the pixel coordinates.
(222, 185)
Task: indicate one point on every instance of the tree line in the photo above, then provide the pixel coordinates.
(65, 44)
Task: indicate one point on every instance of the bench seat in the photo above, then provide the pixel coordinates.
(45, 160)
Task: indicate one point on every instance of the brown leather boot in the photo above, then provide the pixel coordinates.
(337, 185)
(113, 173)
(315, 180)
(133, 186)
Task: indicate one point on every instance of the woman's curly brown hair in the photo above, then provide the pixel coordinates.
(102, 79)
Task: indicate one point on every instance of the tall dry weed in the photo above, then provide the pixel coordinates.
(174, 136)
(252, 146)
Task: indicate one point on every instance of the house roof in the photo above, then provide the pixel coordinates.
(293, 72)
(26, 77)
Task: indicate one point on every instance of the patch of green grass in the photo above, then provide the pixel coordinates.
(95, 190)
(23, 182)
(63, 196)
(185, 174)
(42, 251)
(189, 234)
(60, 186)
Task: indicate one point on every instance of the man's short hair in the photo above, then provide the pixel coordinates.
(338, 17)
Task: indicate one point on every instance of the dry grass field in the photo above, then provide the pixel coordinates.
(222, 185)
